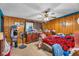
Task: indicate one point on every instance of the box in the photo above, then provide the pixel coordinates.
(1, 44)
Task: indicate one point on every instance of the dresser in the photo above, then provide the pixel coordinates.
(31, 37)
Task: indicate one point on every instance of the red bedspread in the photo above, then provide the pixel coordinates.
(66, 43)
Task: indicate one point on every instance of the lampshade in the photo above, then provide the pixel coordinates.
(78, 20)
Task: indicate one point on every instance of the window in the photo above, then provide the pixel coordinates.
(29, 26)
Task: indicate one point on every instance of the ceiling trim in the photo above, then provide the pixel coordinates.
(69, 14)
(66, 15)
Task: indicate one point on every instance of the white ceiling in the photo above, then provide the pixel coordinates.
(24, 10)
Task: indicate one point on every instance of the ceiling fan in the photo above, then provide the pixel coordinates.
(46, 15)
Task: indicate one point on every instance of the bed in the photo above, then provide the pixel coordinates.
(66, 43)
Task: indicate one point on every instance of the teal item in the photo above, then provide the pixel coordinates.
(1, 21)
(57, 50)
(16, 44)
(14, 26)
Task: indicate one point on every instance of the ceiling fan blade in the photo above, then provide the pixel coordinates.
(52, 17)
(40, 18)
(46, 11)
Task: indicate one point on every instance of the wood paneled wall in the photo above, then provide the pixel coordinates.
(8, 22)
(55, 24)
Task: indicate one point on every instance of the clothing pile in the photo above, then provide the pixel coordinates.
(67, 42)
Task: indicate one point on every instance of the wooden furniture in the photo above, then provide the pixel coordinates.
(48, 33)
(31, 37)
(46, 47)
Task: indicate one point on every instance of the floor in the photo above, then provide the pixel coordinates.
(30, 50)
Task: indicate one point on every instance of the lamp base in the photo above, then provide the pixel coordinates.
(22, 46)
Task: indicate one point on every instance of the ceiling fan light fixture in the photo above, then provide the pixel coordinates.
(46, 19)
